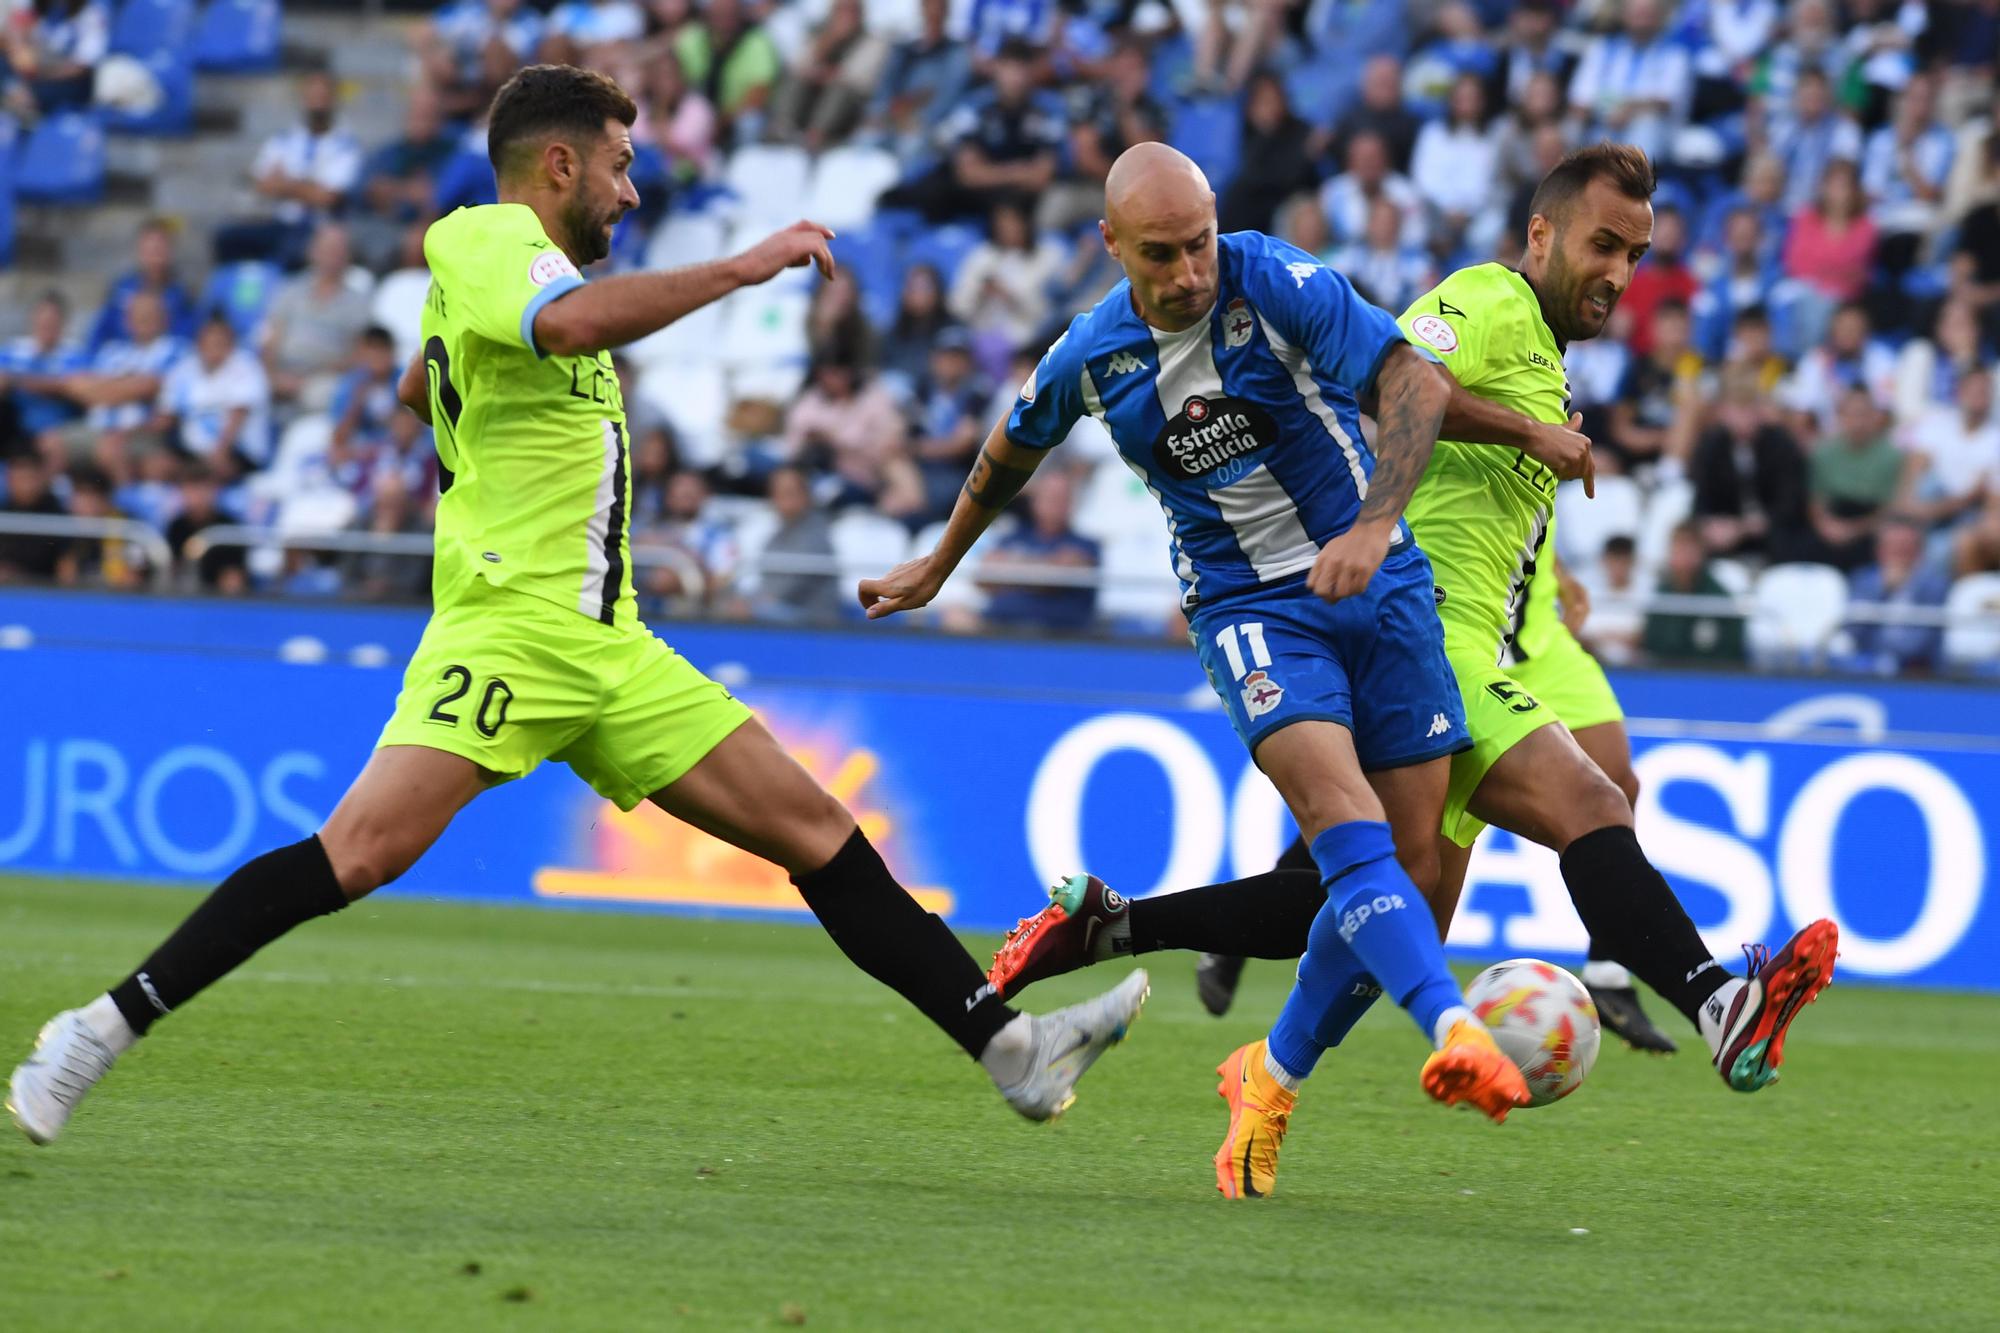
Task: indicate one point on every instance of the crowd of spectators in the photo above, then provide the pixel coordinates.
(1801, 371)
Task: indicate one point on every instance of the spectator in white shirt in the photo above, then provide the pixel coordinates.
(1851, 357)
(1961, 448)
(471, 46)
(1634, 85)
(1001, 292)
(55, 54)
(1928, 369)
(308, 335)
(307, 172)
(216, 404)
(1380, 266)
(1347, 198)
(1739, 32)
(1456, 166)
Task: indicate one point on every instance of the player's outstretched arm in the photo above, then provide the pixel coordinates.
(1411, 397)
(1564, 449)
(998, 475)
(614, 311)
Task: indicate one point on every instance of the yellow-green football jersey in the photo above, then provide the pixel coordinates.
(532, 449)
(1482, 513)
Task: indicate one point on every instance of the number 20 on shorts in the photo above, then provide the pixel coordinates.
(492, 714)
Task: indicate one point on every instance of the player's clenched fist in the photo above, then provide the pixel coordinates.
(797, 245)
(1346, 563)
(905, 588)
(1565, 451)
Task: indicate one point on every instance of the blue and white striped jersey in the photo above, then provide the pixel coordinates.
(1244, 427)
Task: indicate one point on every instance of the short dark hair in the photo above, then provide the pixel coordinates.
(377, 336)
(1628, 169)
(1620, 544)
(552, 100)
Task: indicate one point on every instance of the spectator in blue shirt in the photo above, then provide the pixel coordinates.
(1903, 170)
(926, 77)
(1737, 278)
(1900, 577)
(948, 420)
(363, 407)
(32, 370)
(153, 272)
(1045, 540)
(55, 55)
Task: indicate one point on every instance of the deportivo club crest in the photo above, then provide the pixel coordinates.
(1236, 323)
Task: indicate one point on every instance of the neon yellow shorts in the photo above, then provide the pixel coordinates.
(1503, 705)
(1565, 677)
(507, 680)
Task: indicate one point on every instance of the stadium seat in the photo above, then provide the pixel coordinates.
(242, 291)
(1666, 508)
(1733, 575)
(866, 544)
(686, 238)
(754, 523)
(147, 27)
(398, 306)
(1140, 591)
(173, 74)
(1210, 130)
(768, 181)
(945, 248)
(764, 328)
(875, 258)
(1114, 503)
(692, 341)
(1583, 524)
(695, 402)
(6, 206)
(238, 37)
(62, 161)
(846, 182)
(1971, 643)
(1797, 609)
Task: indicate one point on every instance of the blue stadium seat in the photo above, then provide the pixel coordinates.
(1210, 130)
(6, 218)
(237, 36)
(465, 179)
(874, 256)
(945, 247)
(242, 292)
(175, 113)
(63, 161)
(144, 27)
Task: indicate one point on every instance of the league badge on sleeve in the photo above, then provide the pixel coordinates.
(1436, 332)
(1261, 694)
(550, 265)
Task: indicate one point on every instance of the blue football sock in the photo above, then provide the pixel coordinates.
(1375, 924)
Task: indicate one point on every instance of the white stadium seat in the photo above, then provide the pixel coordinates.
(1666, 509)
(1733, 575)
(1583, 524)
(695, 339)
(1798, 608)
(769, 182)
(1139, 584)
(867, 544)
(763, 328)
(695, 401)
(846, 182)
(1973, 637)
(686, 238)
(398, 306)
(1115, 503)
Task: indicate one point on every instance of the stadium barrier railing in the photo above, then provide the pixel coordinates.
(159, 556)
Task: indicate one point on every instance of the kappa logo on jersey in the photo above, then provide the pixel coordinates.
(1261, 694)
(1124, 363)
(1236, 323)
(1436, 332)
(1301, 271)
(1212, 432)
(1440, 724)
(549, 265)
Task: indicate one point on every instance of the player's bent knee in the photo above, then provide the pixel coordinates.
(1628, 782)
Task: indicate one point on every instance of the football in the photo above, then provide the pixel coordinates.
(1543, 1018)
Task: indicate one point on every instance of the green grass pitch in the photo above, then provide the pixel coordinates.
(429, 1116)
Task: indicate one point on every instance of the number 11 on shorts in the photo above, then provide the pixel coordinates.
(1253, 634)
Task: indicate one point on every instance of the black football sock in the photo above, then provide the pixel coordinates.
(886, 934)
(262, 900)
(1264, 916)
(1630, 912)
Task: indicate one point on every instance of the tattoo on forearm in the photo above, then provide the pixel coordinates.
(994, 483)
(1406, 432)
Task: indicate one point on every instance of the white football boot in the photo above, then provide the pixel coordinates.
(67, 1061)
(1068, 1041)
